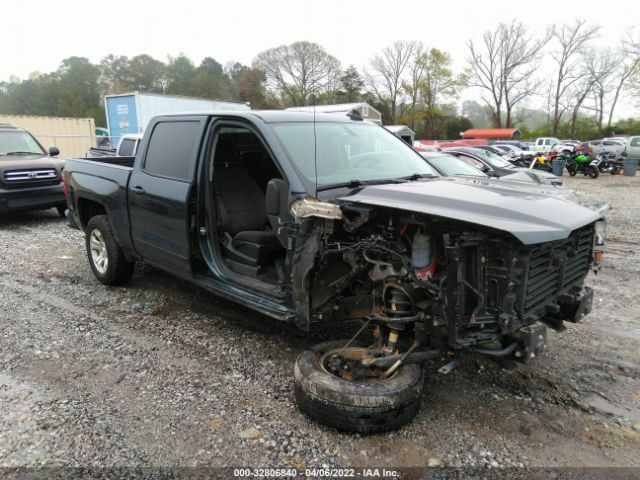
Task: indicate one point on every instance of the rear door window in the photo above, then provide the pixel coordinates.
(170, 149)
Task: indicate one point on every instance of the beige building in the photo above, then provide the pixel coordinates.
(73, 136)
(365, 110)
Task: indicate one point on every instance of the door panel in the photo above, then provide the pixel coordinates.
(159, 220)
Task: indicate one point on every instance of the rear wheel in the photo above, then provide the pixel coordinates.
(61, 211)
(572, 170)
(106, 258)
(325, 391)
(593, 172)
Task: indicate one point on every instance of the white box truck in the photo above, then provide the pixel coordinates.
(131, 112)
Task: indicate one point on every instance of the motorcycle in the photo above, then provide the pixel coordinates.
(610, 162)
(539, 162)
(582, 164)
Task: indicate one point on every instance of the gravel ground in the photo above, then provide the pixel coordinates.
(159, 373)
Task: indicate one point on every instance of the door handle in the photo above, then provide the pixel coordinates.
(138, 190)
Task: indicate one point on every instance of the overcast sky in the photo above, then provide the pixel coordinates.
(38, 34)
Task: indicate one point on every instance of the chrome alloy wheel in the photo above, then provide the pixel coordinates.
(98, 251)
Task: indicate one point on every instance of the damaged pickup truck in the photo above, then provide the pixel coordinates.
(325, 218)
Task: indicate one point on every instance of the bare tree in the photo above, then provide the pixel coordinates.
(629, 66)
(570, 39)
(484, 72)
(387, 69)
(504, 65)
(520, 59)
(412, 85)
(298, 70)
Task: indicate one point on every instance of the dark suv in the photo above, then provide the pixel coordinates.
(30, 178)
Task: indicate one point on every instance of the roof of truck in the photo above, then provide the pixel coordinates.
(276, 116)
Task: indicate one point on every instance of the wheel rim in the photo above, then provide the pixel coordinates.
(98, 249)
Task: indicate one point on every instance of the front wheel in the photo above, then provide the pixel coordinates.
(106, 258)
(593, 172)
(364, 405)
(572, 170)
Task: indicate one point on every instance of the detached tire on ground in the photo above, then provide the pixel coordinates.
(106, 258)
(356, 406)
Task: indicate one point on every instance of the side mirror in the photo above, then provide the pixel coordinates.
(276, 197)
(54, 151)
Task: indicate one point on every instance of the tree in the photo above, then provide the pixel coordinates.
(179, 73)
(351, 85)
(570, 40)
(484, 72)
(248, 85)
(146, 74)
(437, 81)
(520, 58)
(76, 88)
(503, 65)
(386, 74)
(413, 113)
(298, 70)
(113, 71)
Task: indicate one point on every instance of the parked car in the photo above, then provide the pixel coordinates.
(451, 166)
(496, 166)
(633, 147)
(311, 218)
(30, 178)
(545, 144)
(607, 146)
(127, 147)
(515, 143)
(493, 149)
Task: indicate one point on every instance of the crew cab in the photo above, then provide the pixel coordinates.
(30, 179)
(328, 218)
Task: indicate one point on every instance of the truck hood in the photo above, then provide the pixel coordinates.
(13, 162)
(508, 182)
(529, 216)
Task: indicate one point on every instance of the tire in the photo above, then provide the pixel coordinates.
(593, 172)
(356, 406)
(61, 211)
(116, 269)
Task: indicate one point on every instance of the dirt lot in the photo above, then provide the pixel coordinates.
(160, 373)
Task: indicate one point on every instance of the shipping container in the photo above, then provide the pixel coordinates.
(73, 136)
(131, 112)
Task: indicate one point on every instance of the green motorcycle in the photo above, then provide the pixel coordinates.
(582, 164)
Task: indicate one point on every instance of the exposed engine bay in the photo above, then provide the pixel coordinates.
(430, 283)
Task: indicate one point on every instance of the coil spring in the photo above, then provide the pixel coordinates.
(397, 303)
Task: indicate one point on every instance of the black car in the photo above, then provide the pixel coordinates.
(30, 179)
(327, 218)
(496, 166)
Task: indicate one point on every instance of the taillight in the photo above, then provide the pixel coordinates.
(64, 183)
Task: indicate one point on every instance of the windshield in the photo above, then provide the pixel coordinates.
(348, 152)
(450, 165)
(493, 159)
(18, 143)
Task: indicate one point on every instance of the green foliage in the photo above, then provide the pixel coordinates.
(77, 87)
(351, 86)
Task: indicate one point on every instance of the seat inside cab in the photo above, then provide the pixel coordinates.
(242, 169)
